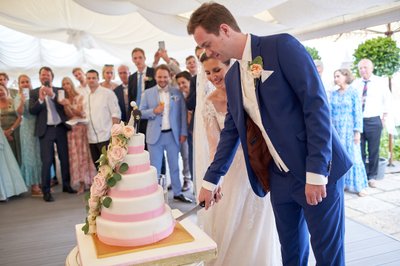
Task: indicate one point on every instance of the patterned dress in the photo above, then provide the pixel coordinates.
(81, 167)
(346, 118)
(31, 164)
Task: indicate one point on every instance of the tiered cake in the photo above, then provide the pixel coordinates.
(138, 214)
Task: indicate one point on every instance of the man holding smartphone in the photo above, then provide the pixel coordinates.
(50, 128)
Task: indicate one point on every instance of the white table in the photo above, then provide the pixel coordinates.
(203, 248)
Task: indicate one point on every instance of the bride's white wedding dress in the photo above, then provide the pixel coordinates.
(242, 224)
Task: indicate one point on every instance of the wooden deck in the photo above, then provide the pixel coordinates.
(34, 232)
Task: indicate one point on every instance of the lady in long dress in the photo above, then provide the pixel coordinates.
(9, 122)
(347, 119)
(11, 181)
(242, 224)
(31, 164)
(80, 163)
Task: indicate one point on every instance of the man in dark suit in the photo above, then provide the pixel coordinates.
(275, 86)
(50, 128)
(122, 93)
(139, 81)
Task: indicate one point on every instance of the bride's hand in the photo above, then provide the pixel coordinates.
(206, 196)
(218, 195)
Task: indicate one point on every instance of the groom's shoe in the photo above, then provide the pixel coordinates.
(69, 189)
(48, 197)
(183, 198)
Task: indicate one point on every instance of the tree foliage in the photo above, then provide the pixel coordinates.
(313, 52)
(383, 52)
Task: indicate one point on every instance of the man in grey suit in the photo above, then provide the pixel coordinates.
(165, 108)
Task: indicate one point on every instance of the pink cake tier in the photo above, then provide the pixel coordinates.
(138, 214)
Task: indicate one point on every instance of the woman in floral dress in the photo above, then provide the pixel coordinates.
(80, 163)
(31, 164)
(347, 119)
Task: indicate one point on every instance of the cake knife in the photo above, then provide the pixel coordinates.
(192, 211)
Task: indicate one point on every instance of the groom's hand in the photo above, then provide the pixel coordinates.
(206, 196)
(315, 193)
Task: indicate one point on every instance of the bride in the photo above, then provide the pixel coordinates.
(242, 224)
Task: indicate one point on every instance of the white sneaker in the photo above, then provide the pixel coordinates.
(372, 183)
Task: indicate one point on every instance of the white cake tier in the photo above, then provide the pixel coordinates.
(135, 209)
(137, 163)
(135, 185)
(136, 144)
(135, 233)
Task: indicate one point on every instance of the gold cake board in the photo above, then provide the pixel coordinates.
(186, 246)
(179, 235)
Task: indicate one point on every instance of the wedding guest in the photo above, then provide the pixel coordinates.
(31, 164)
(183, 81)
(4, 81)
(81, 167)
(51, 129)
(191, 65)
(346, 116)
(327, 85)
(80, 76)
(10, 121)
(164, 107)
(11, 181)
(122, 92)
(102, 111)
(375, 102)
(250, 216)
(108, 74)
(279, 112)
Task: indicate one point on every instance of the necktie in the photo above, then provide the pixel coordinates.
(364, 94)
(139, 89)
(51, 107)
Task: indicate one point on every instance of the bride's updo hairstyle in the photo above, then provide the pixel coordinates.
(204, 57)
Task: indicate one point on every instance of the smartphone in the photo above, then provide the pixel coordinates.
(25, 92)
(161, 45)
(61, 95)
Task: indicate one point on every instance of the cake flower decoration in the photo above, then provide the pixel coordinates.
(111, 166)
(256, 67)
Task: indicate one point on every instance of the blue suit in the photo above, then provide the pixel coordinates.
(158, 141)
(295, 115)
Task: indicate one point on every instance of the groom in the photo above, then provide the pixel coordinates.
(288, 104)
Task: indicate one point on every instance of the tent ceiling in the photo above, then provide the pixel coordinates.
(117, 26)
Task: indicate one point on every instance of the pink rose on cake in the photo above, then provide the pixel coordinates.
(116, 129)
(118, 141)
(115, 155)
(93, 203)
(128, 131)
(99, 186)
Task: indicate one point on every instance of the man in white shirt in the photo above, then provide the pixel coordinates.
(375, 97)
(102, 111)
(83, 87)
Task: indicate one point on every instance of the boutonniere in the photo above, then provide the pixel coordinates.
(147, 78)
(175, 98)
(256, 67)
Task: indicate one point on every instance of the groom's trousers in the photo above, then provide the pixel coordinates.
(295, 219)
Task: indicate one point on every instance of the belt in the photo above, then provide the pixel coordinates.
(54, 125)
(166, 130)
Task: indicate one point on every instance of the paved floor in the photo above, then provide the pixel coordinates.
(380, 209)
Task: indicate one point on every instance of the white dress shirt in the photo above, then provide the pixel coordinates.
(165, 98)
(100, 107)
(378, 97)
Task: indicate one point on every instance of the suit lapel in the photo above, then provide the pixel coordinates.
(256, 51)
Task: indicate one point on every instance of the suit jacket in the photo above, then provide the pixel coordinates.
(119, 92)
(132, 84)
(191, 101)
(40, 110)
(177, 114)
(294, 112)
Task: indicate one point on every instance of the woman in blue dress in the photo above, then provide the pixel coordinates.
(31, 164)
(347, 119)
(11, 181)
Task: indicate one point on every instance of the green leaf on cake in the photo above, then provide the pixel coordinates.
(116, 176)
(85, 228)
(111, 182)
(107, 202)
(87, 196)
(104, 150)
(123, 168)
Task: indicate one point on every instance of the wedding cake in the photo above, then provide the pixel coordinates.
(138, 214)
(132, 210)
